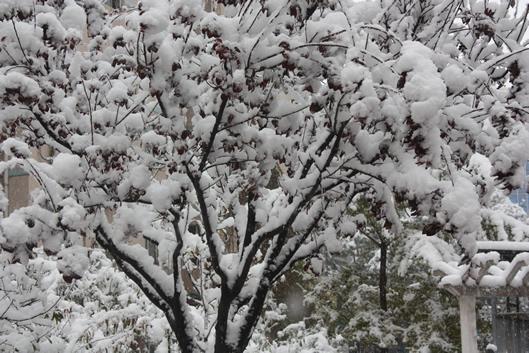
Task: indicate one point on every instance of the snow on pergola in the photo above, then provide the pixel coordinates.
(499, 269)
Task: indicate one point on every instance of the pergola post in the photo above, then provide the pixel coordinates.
(469, 332)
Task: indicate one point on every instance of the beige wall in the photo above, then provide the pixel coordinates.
(18, 184)
(18, 192)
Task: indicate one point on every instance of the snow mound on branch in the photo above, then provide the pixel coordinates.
(161, 195)
(140, 177)
(155, 19)
(23, 85)
(74, 16)
(73, 261)
(118, 93)
(14, 147)
(152, 138)
(53, 28)
(14, 230)
(454, 78)
(72, 214)
(463, 211)
(67, 168)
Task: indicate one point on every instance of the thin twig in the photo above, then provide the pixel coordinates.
(19, 42)
(89, 111)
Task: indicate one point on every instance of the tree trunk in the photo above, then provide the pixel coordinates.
(383, 281)
(221, 327)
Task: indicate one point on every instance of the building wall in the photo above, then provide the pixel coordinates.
(18, 191)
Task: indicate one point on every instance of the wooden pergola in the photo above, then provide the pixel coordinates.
(498, 269)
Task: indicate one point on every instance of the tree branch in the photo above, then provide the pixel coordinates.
(207, 225)
(214, 131)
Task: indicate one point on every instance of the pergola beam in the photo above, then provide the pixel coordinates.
(517, 266)
(484, 270)
(525, 279)
(488, 292)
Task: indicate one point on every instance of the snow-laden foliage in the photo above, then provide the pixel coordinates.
(26, 304)
(297, 338)
(106, 312)
(102, 312)
(237, 142)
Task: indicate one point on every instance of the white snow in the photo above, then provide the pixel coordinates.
(74, 16)
(67, 168)
(140, 177)
(503, 245)
(14, 147)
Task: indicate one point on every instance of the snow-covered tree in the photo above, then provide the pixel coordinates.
(416, 316)
(237, 142)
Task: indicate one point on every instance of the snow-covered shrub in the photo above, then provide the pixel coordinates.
(106, 312)
(26, 304)
(295, 338)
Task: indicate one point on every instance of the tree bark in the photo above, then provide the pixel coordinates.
(383, 277)
(221, 327)
(383, 281)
